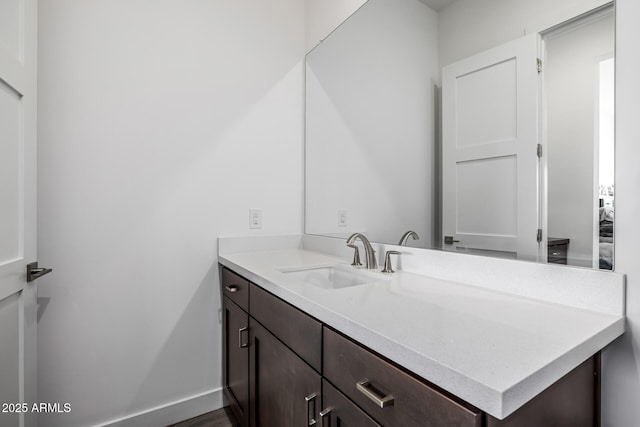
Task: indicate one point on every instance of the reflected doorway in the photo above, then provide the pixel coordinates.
(578, 85)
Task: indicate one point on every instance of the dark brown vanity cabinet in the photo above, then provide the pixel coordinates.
(235, 359)
(285, 362)
(235, 343)
(266, 380)
(274, 365)
(284, 368)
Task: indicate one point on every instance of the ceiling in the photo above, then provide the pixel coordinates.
(437, 5)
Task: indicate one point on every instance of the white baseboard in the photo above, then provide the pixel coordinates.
(173, 412)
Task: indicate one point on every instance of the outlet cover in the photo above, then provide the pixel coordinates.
(255, 218)
(342, 217)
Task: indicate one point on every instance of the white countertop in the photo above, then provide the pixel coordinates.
(492, 349)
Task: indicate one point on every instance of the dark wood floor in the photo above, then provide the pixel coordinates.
(220, 418)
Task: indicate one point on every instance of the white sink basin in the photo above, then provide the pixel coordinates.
(331, 277)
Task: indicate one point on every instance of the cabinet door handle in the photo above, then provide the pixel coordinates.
(365, 388)
(240, 343)
(325, 416)
(311, 421)
(233, 288)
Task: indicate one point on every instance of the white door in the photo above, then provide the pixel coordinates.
(490, 162)
(18, 309)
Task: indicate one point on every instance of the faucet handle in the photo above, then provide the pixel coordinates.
(388, 268)
(356, 255)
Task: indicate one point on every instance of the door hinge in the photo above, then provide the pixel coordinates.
(539, 65)
(539, 151)
(539, 235)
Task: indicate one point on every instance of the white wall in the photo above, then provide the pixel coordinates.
(323, 16)
(161, 123)
(468, 27)
(621, 361)
(133, 249)
(370, 123)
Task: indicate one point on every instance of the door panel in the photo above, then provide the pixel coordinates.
(10, 354)
(478, 124)
(476, 208)
(490, 165)
(10, 26)
(18, 305)
(10, 165)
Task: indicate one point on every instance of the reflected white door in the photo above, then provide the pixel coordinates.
(490, 162)
(18, 309)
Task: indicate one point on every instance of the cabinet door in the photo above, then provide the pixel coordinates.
(341, 412)
(285, 391)
(235, 359)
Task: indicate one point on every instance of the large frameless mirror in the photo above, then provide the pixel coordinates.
(485, 127)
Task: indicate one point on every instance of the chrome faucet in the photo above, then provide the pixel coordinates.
(405, 237)
(370, 254)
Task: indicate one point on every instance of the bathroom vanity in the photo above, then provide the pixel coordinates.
(309, 340)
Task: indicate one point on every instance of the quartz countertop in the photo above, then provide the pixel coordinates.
(492, 349)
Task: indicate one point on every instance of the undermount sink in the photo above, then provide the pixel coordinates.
(331, 276)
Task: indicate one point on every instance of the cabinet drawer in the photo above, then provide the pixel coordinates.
(557, 250)
(341, 411)
(557, 254)
(300, 332)
(369, 380)
(235, 287)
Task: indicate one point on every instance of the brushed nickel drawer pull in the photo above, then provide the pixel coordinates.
(240, 343)
(233, 288)
(311, 417)
(365, 388)
(325, 415)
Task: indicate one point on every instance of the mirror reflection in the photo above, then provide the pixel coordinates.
(483, 126)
